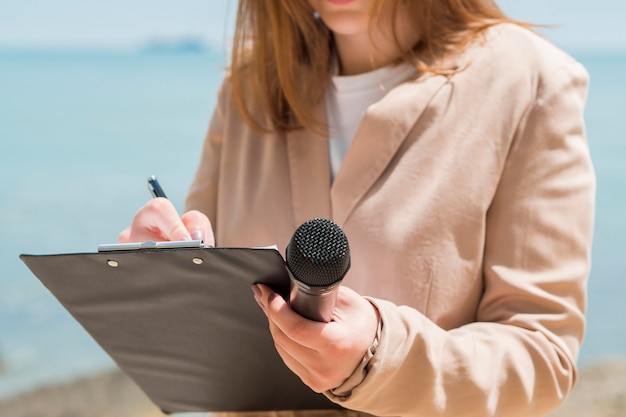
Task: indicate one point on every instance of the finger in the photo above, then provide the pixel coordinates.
(280, 340)
(314, 370)
(199, 227)
(300, 330)
(302, 354)
(302, 371)
(158, 220)
(124, 237)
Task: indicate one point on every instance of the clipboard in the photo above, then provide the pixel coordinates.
(179, 318)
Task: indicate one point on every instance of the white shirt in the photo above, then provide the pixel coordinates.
(347, 99)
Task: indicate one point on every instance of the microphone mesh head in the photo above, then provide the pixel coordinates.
(318, 254)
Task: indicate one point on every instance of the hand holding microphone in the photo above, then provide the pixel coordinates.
(318, 257)
(325, 349)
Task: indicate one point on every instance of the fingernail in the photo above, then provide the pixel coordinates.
(197, 235)
(257, 296)
(256, 290)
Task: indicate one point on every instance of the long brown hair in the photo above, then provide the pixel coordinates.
(282, 53)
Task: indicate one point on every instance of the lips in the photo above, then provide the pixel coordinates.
(340, 2)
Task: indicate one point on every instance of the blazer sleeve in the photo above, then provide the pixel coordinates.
(519, 356)
(203, 191)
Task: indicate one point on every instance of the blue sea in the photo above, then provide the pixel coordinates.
(81, 131)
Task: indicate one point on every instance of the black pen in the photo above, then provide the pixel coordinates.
(155, 188)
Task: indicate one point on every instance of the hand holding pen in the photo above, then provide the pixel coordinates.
(158, 220)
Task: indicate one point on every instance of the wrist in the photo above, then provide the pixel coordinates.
(360, 372)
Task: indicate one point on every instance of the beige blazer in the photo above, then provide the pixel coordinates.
(468, 204)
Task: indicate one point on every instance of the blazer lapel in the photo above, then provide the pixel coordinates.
(382, 131)
(309, 171)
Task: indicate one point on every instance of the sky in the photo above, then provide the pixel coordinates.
(580, 25)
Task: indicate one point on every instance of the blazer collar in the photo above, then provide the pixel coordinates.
(309, 173)
(382, 131)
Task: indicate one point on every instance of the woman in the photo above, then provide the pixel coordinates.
(448, 143)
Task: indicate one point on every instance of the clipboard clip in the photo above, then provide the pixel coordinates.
(152, 245)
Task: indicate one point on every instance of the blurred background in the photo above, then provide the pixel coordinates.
(96, 96)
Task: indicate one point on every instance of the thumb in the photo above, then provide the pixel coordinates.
(199, 226)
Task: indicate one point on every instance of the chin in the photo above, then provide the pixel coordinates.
(344, 17)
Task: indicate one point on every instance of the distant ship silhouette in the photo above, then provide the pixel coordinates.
(185, 45)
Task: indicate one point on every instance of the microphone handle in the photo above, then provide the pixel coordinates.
(314, 303)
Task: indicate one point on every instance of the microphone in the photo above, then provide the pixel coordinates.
(317, 257)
